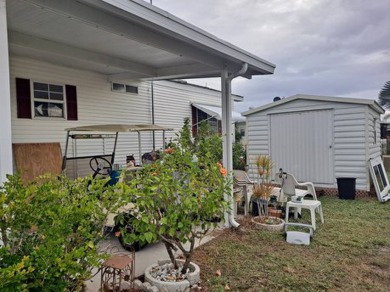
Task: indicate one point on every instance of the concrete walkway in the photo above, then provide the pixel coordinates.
(143, 258)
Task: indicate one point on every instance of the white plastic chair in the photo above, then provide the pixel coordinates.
(242, 179)
(288, 187)
(297, 196)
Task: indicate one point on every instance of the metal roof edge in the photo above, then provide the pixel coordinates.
(164, 19)
(369, 102)
(236, 97)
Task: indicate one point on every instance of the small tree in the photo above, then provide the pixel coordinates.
(180, 197)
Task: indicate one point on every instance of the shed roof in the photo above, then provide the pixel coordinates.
(370, 102)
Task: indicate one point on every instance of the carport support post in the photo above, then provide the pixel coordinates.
(5, 100)
(227, 138)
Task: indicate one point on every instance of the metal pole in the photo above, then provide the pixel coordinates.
(139, 148)
(154, 134)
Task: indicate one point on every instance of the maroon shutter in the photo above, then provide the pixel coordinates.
(71, 102)
(194, 121)
(23, 98)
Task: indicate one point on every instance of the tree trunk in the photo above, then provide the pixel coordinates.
(169, 248)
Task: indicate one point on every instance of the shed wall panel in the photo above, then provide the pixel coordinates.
(355, 136)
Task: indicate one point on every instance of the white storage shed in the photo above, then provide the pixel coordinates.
(317, 138)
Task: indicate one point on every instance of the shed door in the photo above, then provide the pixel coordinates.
(302, 144)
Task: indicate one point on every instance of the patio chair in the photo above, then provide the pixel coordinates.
(298, 201)
(288, 187)
(241, 179)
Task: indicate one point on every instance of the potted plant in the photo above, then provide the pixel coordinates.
(180, 197)
(262, 191)
(263, 187)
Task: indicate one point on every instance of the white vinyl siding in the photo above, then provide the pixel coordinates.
(98, 104)
(353, 137)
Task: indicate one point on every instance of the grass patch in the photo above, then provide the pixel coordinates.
(349, 252)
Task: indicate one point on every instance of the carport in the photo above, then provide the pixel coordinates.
(125, 40)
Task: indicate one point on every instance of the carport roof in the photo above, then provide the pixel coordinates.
(124, 39)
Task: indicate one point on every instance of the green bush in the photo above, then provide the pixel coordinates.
(49, 231)
(239, 152)
(175, 196)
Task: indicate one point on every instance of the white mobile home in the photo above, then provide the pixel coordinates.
(97, 101)
(84, 47)
(317, 138)
(57, 57)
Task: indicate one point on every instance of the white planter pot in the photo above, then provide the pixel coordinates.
(181, 286)
(270, 227)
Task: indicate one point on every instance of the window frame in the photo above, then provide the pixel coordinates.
(124, 88)
(63, 102)
(214, 124)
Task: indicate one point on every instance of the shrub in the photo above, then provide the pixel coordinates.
(49, 229)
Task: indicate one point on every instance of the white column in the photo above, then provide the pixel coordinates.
(5, 99)
(227, 135)
(227, 122)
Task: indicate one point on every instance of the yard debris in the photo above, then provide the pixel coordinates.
(218, 273)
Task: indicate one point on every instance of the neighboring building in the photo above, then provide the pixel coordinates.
(317, 138)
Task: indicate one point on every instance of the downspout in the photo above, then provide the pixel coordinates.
(226, 80)
(153, 132)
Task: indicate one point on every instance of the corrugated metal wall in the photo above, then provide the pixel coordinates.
(97, 104)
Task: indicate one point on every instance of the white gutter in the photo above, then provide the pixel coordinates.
(226, 84)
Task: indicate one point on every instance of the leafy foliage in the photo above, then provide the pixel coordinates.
(384, 95)
(239, 152)
(49, 231)
(180, 197)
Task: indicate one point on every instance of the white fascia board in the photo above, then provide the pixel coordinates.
(183, 30)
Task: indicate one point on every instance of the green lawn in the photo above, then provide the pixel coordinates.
(349, 252)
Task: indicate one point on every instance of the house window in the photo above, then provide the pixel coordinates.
(48, 100)
(199, 116)
(242, 132)
(118, 87)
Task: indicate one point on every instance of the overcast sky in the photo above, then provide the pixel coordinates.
(321, 47)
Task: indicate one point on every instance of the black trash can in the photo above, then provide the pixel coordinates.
(346, 187)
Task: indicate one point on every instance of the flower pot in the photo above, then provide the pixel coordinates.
(192, 278)
(268, 223)
(275, 213)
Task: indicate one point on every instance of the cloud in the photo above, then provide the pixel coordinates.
(323, 47)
